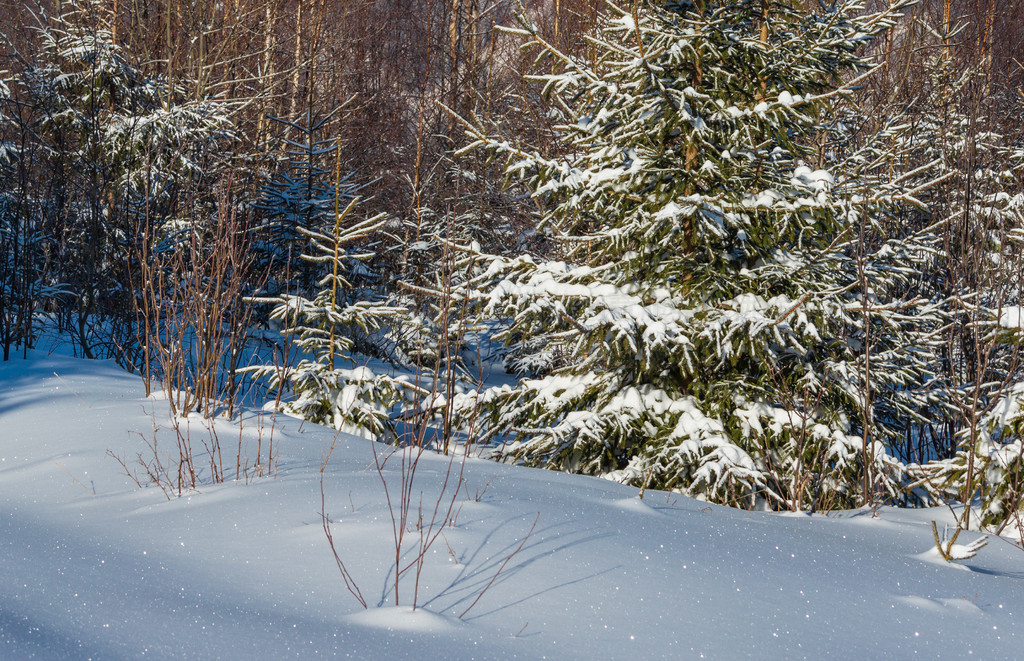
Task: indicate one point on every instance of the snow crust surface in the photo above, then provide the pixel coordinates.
(92, 566)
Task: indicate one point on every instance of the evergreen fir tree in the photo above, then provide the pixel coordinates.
(705, 296)
(988, 464)
(300, 198)
(121, 150)
(352, 399)
(474, 211)
(983, 203)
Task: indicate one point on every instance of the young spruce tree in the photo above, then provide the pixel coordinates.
(706, 295)
(349, 398)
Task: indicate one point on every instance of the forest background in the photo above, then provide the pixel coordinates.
(165, 165)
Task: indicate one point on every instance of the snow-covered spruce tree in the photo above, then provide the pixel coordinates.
(473, 210)
(982, 203)
(705, 294)
(15, 235)
(352, 399)
(138, 139)
(300, 197)
(123, 151)
(987, 467)
(893, 319)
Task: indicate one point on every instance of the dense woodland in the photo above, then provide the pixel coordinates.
(763, 253)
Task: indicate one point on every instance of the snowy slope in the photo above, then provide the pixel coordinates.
(92, 566)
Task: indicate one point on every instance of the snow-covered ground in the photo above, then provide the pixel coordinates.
(94, 567)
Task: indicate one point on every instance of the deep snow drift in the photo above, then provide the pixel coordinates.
(92, 566)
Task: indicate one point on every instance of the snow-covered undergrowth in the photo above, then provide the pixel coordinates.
(92, 566)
